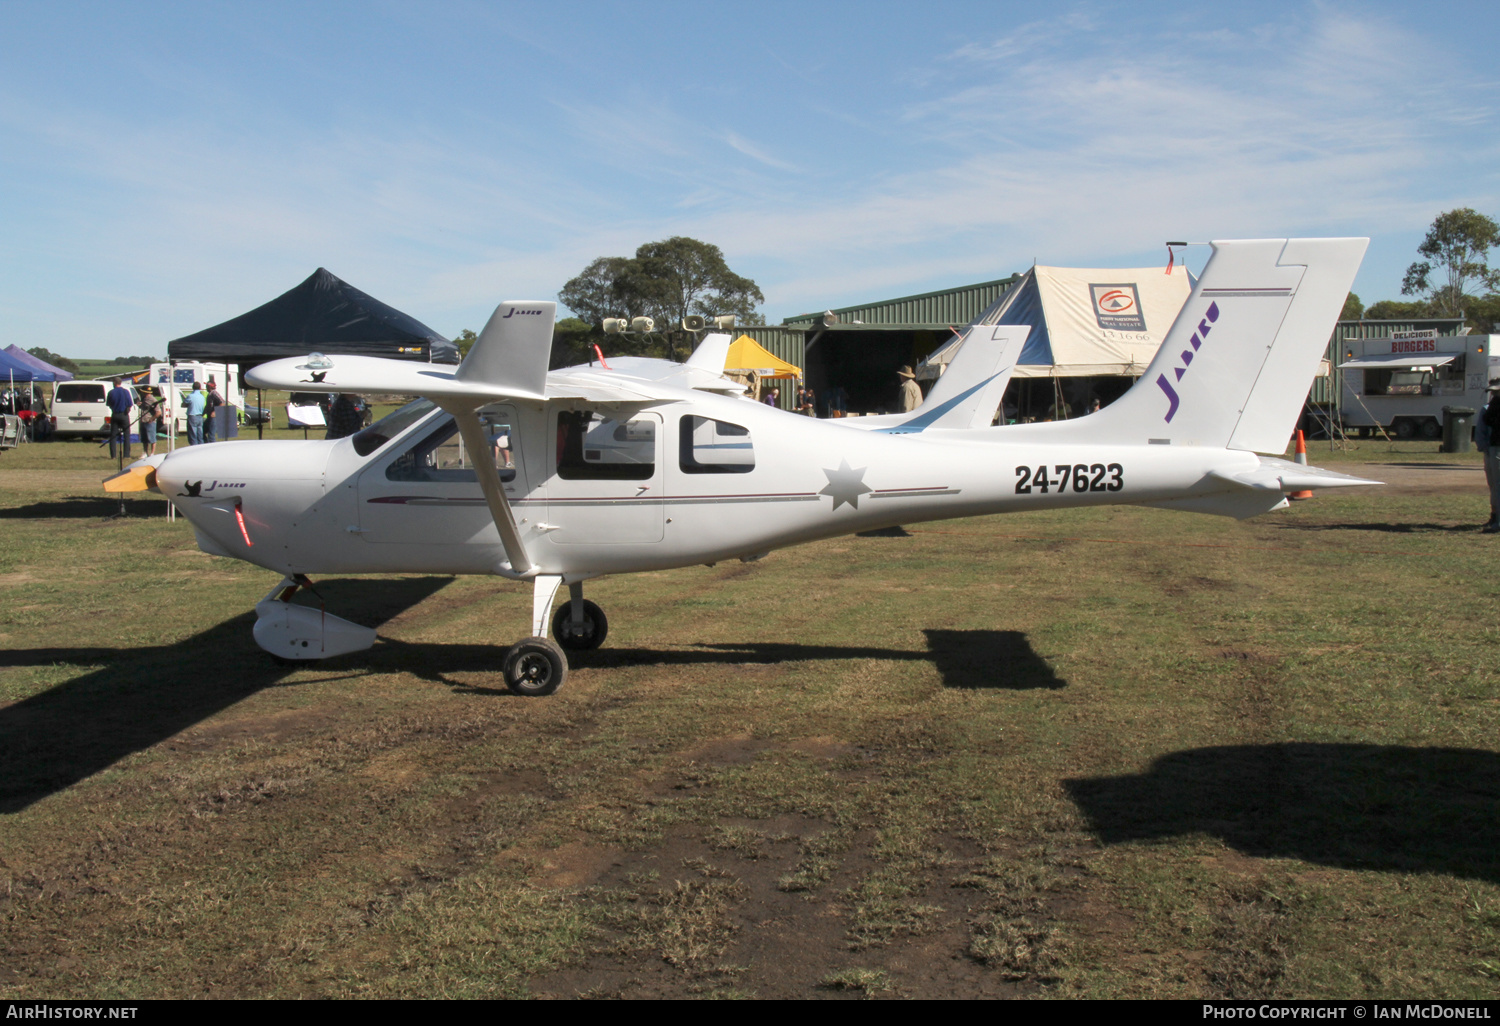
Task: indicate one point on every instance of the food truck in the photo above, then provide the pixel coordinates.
(1400, 384)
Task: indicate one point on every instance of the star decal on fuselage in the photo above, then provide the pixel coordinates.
(846, 484)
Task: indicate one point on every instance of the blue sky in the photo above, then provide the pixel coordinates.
(164, 167)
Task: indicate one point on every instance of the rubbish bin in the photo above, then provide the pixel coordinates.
(1458, 428)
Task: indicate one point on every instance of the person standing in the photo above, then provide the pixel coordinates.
(1487, 440)
(215, 400)
(838, 401)
(806, 401)
(344, 418)
(911, 392)
(120, 403)
(195, 403)
(150, 414)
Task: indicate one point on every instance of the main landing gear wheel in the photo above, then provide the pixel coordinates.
(583, 636)
(535, 666)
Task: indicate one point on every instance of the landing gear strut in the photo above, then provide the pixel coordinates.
(537, 665)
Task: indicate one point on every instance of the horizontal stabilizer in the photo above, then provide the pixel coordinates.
(1242, 505)
(1251, 493)
(1286, 476)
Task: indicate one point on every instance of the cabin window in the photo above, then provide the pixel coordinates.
(592, 447)
(714, 447)
(440, 454)
(391, 425)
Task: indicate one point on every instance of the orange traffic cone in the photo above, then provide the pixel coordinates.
(1300, 458)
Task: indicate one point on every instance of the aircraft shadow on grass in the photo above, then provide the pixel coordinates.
(86, 507)
(1377, 807)
(142, 696)
(1387, 528)
(999, 660)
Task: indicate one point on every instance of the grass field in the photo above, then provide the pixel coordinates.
(1111, 753)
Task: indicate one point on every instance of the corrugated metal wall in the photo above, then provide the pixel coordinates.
(951, 306)
(1329, 391)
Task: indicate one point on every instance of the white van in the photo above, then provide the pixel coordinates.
(79, 411)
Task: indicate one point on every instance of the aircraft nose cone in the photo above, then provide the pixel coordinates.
(198, 465)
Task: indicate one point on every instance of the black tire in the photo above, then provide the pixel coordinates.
(535, 667)
(1431, 429)
(1403, 430)
(581, 637)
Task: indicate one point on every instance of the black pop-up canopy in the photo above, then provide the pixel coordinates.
(323, 314)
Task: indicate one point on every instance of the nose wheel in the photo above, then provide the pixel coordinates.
(534, 667)
(579, 625)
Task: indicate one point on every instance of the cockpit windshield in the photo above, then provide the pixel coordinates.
(391, 425)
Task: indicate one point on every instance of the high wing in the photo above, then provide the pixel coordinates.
(508, 362)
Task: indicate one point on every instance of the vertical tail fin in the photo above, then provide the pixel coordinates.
(711, 353)
(1236, 365)
(513, 349)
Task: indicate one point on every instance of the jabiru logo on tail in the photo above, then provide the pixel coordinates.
(1209, 318)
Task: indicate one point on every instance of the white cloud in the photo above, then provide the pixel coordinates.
(754, 152)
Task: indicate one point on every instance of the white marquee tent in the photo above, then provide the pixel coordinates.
(1085, 322)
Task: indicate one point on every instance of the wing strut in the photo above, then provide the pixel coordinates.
(494, 493)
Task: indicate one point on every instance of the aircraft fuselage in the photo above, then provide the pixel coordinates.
(636, 495)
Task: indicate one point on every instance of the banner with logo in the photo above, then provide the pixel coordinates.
(1103, 320)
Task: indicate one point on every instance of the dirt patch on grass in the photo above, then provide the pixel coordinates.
(270, 727)
(720, 915)
(574, 865)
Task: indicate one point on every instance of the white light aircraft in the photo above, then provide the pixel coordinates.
(632, 465)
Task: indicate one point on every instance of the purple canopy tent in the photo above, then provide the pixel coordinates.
(14, 359)
(36, 363)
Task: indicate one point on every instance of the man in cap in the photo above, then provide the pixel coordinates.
(911, 392)
(1487, 440)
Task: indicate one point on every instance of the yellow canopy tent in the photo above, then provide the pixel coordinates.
(746, 354)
